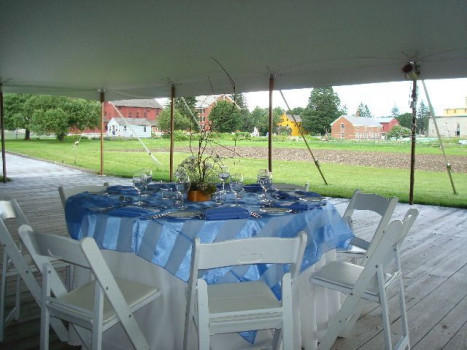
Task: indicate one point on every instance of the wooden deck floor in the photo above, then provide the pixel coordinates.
(434, 262)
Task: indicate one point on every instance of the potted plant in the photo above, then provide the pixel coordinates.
(202, 167)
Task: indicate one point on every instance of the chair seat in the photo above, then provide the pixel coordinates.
(223, 298)
(344, 275)
(135, 294)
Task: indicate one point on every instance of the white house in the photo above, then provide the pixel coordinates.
(129, 127)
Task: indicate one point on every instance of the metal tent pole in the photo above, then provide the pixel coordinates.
(172, 127)
(102, 99)
(2, 126)
(271, 89)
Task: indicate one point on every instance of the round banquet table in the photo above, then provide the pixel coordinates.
(152, 245)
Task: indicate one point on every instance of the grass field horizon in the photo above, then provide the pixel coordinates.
(431, 187)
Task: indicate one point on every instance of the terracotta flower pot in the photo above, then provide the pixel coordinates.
(198, 196)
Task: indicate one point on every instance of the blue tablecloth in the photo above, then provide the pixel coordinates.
(167, 241)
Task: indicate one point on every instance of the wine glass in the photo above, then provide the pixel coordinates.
(265, 181)
(182, 185)
(138, 184)
(146, 177)
(236, 185)
(224, 175)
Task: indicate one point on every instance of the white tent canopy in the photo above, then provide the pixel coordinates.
(140, 48)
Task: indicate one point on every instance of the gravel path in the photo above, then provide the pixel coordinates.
(375, 159)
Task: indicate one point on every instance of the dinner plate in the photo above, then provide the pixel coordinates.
(183, 214)
(275, 211)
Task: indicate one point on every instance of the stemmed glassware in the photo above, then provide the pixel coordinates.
(146, 177)
(224, 175)
(182, 185)
(138, 184)
(236, 185)
(265, 181)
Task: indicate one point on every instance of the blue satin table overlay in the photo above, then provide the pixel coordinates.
(153, 234)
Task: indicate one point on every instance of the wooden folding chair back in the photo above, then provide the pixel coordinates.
(369, 202)
(85, 305)
(227, 307)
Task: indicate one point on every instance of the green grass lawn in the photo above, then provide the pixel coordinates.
(122, 158)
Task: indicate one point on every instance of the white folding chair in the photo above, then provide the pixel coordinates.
(366, 202)
(242, 306)
(18, 263)
(369, 282)
(99, 304)
(68, 192)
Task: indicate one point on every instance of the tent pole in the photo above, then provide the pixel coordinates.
(102, 99)
(271, 89)
(172, 127)
(414, 129)
(2, 126)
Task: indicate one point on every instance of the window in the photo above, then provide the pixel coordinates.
(342, 135)
(124, 128)
(342, 126)
(144, 128)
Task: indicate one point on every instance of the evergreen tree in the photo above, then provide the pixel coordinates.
(423, 115)
(394, 112)
(322, 109)
(225, 117)
(363, 111)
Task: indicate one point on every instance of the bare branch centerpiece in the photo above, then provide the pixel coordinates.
(202, 167)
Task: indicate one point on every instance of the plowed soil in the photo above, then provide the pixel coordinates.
(371, 159)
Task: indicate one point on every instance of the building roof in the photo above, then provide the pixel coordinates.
(298, 118)
(360, 121)
(132, 121)
(142, 103)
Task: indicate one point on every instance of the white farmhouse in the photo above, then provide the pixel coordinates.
(129, 127)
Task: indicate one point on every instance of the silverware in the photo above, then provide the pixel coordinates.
(255, 215)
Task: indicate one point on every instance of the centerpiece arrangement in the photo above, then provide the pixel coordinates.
(202, 167)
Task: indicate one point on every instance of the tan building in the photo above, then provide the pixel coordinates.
(453, 123)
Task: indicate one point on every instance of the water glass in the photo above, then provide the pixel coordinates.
(219, 197)
(224, 175)
(236, 185)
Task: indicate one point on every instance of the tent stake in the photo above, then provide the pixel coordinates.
(432, 113)
(306, 142)
(172, 127)
(2, 126)
(271, 88)
(102, 99)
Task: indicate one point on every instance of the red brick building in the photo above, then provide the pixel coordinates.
(359, 128)
(204, 106)
(148, 109)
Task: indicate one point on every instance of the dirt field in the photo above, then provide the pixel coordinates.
(376, 159)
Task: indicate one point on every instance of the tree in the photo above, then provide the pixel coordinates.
(395, 112)
(399, 132)
(405, 120)
(423, 115)
(70, 112)
(322, 109)
(363, 111)
(258, 118)
(297, 111)
(181, 122)
(225, 117)
(16, 115)
(245, 117)
(189, 112)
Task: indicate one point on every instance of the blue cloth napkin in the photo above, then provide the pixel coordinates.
(225, 213)
(282, 195)
(118, 189)
(130, 212)
(300, 206)
(252, 188)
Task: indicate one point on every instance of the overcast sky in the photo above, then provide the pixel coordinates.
(380, 98)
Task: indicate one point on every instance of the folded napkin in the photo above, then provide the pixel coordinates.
(118, 189)
(252, 188)
(225, 213)
(308, 194)
(282, 195)
(299, 206)
(130, 212)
